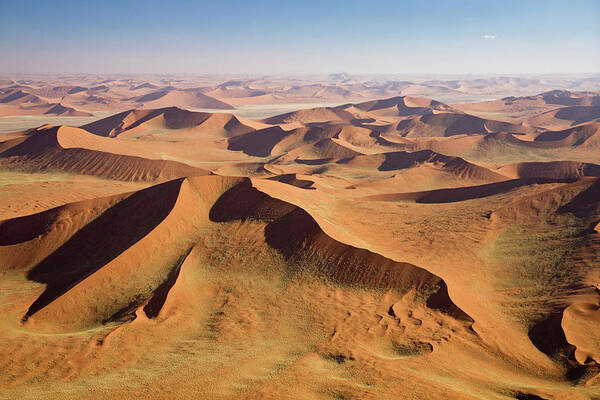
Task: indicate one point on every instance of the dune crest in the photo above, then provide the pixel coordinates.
(129, 276)
(75, 150)
(142, 122)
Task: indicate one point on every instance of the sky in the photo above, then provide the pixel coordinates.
(300, 37)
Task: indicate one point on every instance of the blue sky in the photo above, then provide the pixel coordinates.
(275, 36)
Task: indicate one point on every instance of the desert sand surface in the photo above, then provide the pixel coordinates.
(316, 238)
(81, 95)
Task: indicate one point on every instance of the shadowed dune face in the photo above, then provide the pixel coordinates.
(297, 235)
(93, 253)
(463, 193)
(552, 170)
(113, 259)
(403, 106)
(315, 115)
(133, 218)
(115, 124)
(192, 98)
(578, 115)
(450, 124)
(566, 117)
(566, 98)
(259, 143)
(292, 179)
(583, 135)
(74, 150)
(18, 102)
(401, 160)
(59, 109)
(143, 122)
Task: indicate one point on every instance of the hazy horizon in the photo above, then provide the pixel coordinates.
(271, 38)
(308, 75)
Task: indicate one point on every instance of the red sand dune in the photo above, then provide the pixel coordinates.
(59, 109)
(402, 160)
(303, 141)
(321, 114)
(462, 193)
(569, 116)
(74, 150)
(259, 143)
(292, 179)
(403, 106)
(19, 102)
(568, 98)
(449, 124)
(366, 112)
(587, 135)
(551, 170)
(544, 100)
(20, 97)
(134, 122)
(76, 298)
(55, 92)
(189, 98)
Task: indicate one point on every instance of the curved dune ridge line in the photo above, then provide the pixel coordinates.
(18, 102)
(56, 92)
(27, 240)
(524, 174)
(225, 91)
(297, 234)
(75, 150)
(550, 169)
(504, 145)
(319, 114)
(569, 98)
(571, 115)
(358, 136)
(580, 323)
(294, 180)
(171, 118)
(400, 106)
(450, 124)
(552, 98)
(403, 106)
(585, 135)
(77, 298)
(108, 278)
(59, 109)
(298, 138)
(259, 143)
(402, 160)
(275, 140)
(187, 98)
(330, 141)
(462, 193)
(553, 110)
(19, 96)
(332, 148)
(256, 169)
